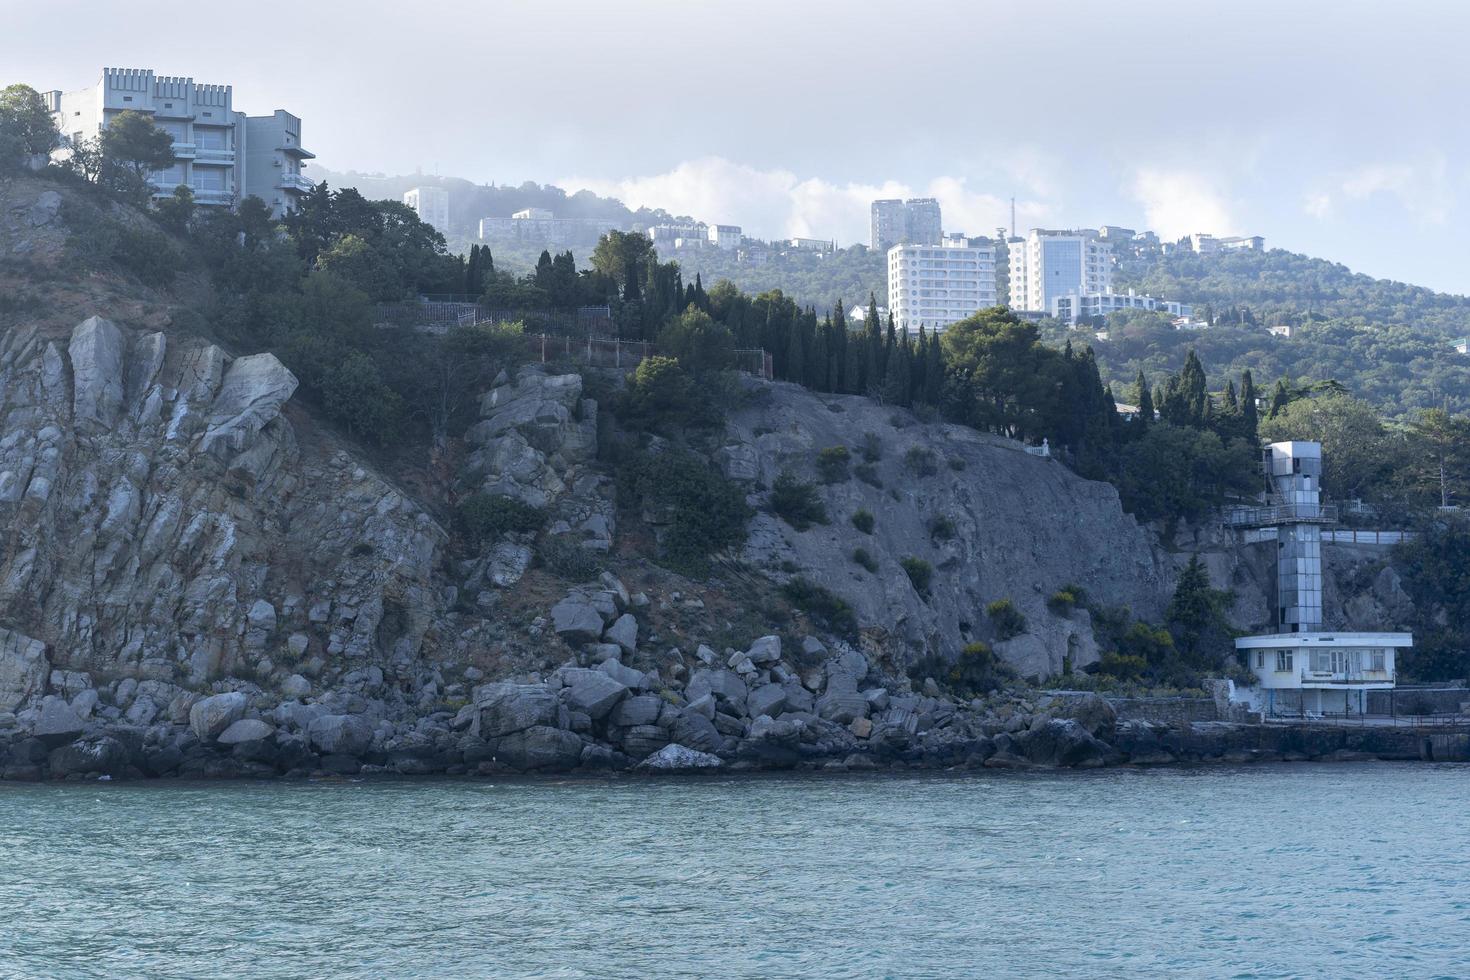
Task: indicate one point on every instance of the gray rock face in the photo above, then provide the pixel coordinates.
(679, 758)
(23, 669)
(640, 710)
(505, 708)
(96, 352)
(100, 754)
(57, 722)
(769, 699)
(211, 716)
(540, 748)
(341, 734)
(723, 684)
(697, 731)
(251, 395)
(765, 651)
(1093, 713)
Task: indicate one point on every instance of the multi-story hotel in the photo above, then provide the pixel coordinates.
(913, 222)
(220, 154)
(936, 285)
(1046, 265)
(431, 204)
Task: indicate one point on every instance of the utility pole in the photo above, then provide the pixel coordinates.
(1013, 216)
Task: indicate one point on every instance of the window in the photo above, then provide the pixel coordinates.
(1283, 661)
(1261, 659)
(1380, 660)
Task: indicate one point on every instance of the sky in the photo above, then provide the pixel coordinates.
(1334, 129)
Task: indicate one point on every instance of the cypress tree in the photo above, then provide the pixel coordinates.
(838, 345)
(934, 372)
(873, 349)
(1145, 402)
(795, 366)
(1280, 398)
(918, 364)
(1248, 414)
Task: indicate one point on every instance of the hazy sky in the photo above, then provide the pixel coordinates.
(1336, 129)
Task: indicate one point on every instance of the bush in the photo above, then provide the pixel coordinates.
(824, 607)
(941, 528)
(832, 464)
(662, 396)
(485, 517)
(701, 512)
(920, 573)
(569, 560)
(1009, 621)
(797, 503)
(872, 448)
(1124, 667)
(861, 556)
(1062, 602)
(976, 672)
(868, 473)
(863, 521)
(921, 461)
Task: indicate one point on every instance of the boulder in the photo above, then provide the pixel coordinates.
(1093, 712)
(576, 620)
(766, 650)
(508, 563)
(251, 395)
(624, 675)
(679, 758)
(96, 352)
(506, 707)
(342, 735)
(100, 754)
(211, 716)
(642, 709)
(641, 741)
(1062, 742)
(624, 632)
(595, 693)
(842, 706)
(769, 699)
(245, 730)
(540, 748)
(296, 686)
(697, 731)
(723, 684)
(57, 722)
(23, 669)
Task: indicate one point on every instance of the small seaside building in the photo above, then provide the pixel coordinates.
(1304, 670)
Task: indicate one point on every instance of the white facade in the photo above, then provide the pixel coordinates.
(810, 244)
(220, 154)
(431, 204)
(936, 285)
(727, 237)
(1204, 244)
(1321, 673)
(1074, 307)
(1046, 265)
(541, 225)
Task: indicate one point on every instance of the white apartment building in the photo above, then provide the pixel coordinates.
(727, 237)
(811, 245)
(936, 285)
(220, 154)
(431, 204)
(1075, 307)
(1046, 265)
(542, 225)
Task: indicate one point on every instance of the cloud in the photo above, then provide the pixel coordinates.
(1318, 204)
(779, 203)
(1180, 202)
(1422, 188)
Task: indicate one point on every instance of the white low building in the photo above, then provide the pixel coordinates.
(1075, 307)
(1321, 673)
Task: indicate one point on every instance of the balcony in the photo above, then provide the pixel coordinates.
(1314, 678)
(1271, 515)
(295, 182)
(214, 154)
(185, 151)
(292, 150)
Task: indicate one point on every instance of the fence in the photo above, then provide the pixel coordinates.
(1382, 539)
(438, 314)
(612, 352)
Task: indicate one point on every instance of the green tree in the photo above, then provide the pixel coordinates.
(177, 213)
(697, 341)
(132, 149)
(1358, 455)
(26, 129)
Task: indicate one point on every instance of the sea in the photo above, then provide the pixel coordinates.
(1271, 870)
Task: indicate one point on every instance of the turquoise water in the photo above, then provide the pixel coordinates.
(1275, 870)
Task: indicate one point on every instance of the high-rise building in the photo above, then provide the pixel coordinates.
(220, 154)
(912, 222)
(431, 204)
(936, 285)
(1046, 265)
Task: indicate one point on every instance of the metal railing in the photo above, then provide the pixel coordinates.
(1280, 513)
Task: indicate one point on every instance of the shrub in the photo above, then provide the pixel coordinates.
(1062, 602)
(569, 560)
(921, 461)
(863, 521)
(868, 473)
(872, 448)
(861, 556)
(977, 671)
(484, 517)
(941, 528)
(1122, 666)
(797, 503)
(702, 513)
(824, 607)
(661, 395)
(1008, 620)
(832, 464)
(920, 573)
